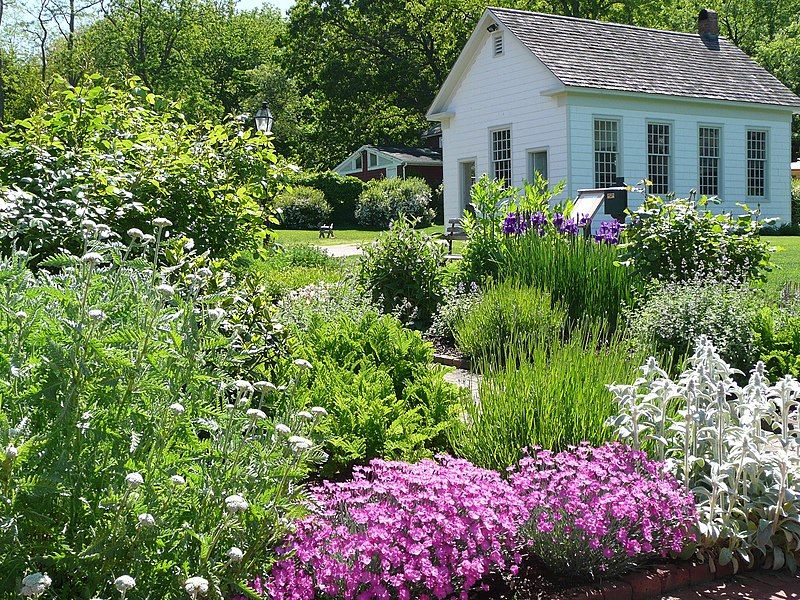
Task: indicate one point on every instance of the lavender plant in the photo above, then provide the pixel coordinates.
(137, 460)
(734, 447)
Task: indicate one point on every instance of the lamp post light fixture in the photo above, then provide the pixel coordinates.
(264, 119)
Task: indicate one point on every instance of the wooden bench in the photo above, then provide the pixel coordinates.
(455, 231)
(326, 231)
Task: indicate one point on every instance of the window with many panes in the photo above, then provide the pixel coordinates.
(708, 156)
(658, 151)
(606, 152)
(501, 155)
(537, 163)
(756, 164)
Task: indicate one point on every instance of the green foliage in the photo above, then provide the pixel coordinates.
(386, 200)
(675, 314)
(507, 315)
(402, 271)
(384, 398)
(283, 270)
(455, 304)
(341, 192)
(776, 331)
(550, 394)
(303, 207)
(300, 308)
(581, 274)
(122, 156)
(113, 367)
(680, 239)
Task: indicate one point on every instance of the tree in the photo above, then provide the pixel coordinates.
(781, 56)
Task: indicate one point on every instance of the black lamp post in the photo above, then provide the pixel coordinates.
(264, 119)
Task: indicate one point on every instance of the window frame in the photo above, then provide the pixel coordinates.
(463, 197)
(370, 157)
(720, 146)
(358, 163)
(766, 161)
(529, 153)
(618, 151)
(492, 169)
(670, 155)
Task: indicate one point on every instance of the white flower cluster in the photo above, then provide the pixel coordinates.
(35, 584)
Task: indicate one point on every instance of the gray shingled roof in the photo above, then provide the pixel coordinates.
(611, 56)
(416, 156)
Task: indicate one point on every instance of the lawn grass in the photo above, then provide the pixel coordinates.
(294, 237)
(787, 261)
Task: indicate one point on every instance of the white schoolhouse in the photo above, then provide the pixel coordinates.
(590, 102)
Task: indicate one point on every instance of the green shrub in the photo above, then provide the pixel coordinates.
(795, 202)
(375, 379)
(580, 274)
(341, 192)
(507, 315)
(303, 207)
(385, 200)
(777, 339)
(122, 156)
(681, 239)
(121, 457)
(299, 308)
(551, 395)
(456, 303)
(676, 314)
(403, 272)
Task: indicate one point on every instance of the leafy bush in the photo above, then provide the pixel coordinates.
(341, 192)
(385, 200)
(600, 512)
(680, 239)
(402, 271)
(403, 530)
(303, 207)
(376, 381)
(550, 395)
(507, 315)
(326, 301)
(776, 333)
(121, 457)
(456, 303)
(123, 156)
(674, 315)
(734, 447)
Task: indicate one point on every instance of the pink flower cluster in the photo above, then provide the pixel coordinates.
(398, 530)
(596, 512)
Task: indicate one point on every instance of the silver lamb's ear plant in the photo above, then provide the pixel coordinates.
(736, 448)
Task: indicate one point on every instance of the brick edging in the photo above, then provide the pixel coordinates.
(451, 361)
(654, 581)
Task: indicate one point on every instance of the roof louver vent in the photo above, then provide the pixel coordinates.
(497, 41)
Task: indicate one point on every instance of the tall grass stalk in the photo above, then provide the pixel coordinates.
(552, 394)
(582, 274)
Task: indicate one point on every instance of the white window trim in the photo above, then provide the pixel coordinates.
(620, 155)
(462, 195)
(670, 157)
(767, 163)
(721, 158)
(529, 152)
(491, 131)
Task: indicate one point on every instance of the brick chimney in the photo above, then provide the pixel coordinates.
(708, 25)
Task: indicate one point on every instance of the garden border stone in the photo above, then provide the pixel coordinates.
(450, 360)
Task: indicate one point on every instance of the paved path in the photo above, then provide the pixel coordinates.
(752, 586)
(342, 250)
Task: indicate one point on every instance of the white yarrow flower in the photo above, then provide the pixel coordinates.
(243, 387)
(318, 411)
(302, 363)
(21, 315)
(166, 291)
(235, 555)
(216, 314)
(300, 443)
(255, 414)
(265, 386)
(96, 314)
(135, 233)
(147, 520)
(177, 480)
(11, 452)
(205, 272)
(177, 408)
(161, 222)
(282, 429)
(235, 503)
(35, 584)
(92, 258)
(123, 583)
(134, 479)
(304, 414)
(196, 586)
